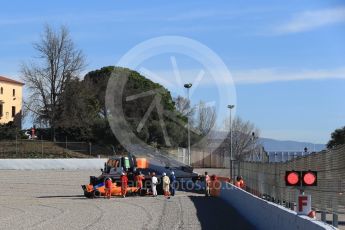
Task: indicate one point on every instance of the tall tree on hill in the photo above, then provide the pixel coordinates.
(337, 138)
(83, 109)
(96, 83)
(59, 61)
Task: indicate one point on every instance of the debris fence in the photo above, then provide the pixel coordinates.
(268, 180)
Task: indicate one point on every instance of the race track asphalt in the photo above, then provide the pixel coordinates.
(50, 199)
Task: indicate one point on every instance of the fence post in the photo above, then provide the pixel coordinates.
(211, 159)
(335, 220)
(190, 157)
(239, 169)
(66, 146)
(323, 216)
(182, 156)
(42, 146)
(16, 144)
(90, 148)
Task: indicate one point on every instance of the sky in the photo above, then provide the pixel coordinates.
(286, 58)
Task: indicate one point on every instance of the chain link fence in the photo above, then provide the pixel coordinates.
(47, 149)
(201, 158)
(268, 180)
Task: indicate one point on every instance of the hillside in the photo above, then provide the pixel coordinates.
(278, 145)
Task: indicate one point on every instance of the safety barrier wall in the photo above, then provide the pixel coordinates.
(39, 164)
(267, 215)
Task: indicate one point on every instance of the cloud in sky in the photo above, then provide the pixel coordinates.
(248, 76)
(267, 75)
(309, 20)
(147, 15)
(143, 15)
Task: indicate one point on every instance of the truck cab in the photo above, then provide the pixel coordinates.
(117, 165)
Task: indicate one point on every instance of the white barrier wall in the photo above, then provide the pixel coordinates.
(38, 164)
(267, 215)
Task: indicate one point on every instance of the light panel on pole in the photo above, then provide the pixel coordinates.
(301, 178)
(292, 178)
(309, 178)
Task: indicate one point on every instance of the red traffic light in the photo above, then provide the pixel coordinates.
(292, 178)
(309, 178)
(301, 178)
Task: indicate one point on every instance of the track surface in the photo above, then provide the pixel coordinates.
(53, 200)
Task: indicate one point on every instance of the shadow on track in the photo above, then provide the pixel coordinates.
(214, 213)
(82, 197)
(69, 196)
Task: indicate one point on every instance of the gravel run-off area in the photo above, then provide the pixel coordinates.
(53, 199)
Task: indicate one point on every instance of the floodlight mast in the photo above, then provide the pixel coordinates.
(230, 107)
(188, 86)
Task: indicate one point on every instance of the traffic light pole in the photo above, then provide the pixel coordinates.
(301, 190)
(302, 180)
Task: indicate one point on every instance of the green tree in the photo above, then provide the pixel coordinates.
(135, 110)
(83, 111)
(337, 138)
(10, 131)
(78, 112)
(95, 82)
(7, 131)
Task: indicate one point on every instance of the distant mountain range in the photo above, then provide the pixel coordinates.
(271, 145)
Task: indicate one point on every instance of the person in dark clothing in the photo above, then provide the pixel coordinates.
(172, 183)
